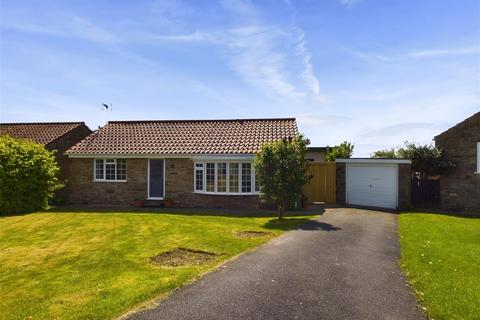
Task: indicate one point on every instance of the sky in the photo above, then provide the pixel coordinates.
(373, 72)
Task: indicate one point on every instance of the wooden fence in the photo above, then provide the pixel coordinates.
(322, 186)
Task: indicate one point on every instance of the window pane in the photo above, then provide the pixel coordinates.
(233, 177)
(109, 171)
(99, 169)
(246, 177)
(199, 179)
(221, 177)
(121, 169)
(210, 177)
(257, 183)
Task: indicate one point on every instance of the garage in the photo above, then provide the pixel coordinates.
(375, 182)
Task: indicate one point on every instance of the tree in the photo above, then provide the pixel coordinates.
(385, 154)
(427, 160)
(281, 168)
(28, 175)
(343, 150)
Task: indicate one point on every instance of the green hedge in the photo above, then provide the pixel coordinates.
(28, 175)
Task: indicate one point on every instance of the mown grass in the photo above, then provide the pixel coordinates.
(441, 257)
(95, 265)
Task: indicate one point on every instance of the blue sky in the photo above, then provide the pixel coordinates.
(373, 72)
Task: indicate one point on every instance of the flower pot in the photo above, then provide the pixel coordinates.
(305, 204)
(168, 203)
(137, 203)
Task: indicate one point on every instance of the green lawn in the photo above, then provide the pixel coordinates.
(95, 265)
(441, 257)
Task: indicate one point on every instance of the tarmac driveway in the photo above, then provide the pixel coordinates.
(342, 265)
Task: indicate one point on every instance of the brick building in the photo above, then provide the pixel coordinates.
(460, 187)
(197, 163)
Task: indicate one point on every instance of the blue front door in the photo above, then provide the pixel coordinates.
(156, 176)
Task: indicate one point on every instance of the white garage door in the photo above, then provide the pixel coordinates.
(372, 185)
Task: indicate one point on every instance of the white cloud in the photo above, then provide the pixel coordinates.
(61, 24)
(443, 52)
(349, 3)
(417, 54)
(308, 120)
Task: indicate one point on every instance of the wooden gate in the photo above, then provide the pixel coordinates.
(322, 186)
(425, 193)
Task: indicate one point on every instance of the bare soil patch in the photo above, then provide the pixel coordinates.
(182, 257)
(251, 234)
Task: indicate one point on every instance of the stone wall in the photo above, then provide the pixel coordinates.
(460, 186)
(83, 190)
(341, 183)
(178, 185)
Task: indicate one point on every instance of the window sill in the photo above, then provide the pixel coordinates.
(228, 193)
(109, 180)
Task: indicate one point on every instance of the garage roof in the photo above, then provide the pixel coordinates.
(374, 160)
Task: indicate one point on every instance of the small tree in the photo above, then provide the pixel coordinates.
(281, 168)
(387, 154)
(28, 175)
(343, 150)
(427, 160)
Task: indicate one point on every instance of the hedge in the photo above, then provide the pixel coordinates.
(28, 175)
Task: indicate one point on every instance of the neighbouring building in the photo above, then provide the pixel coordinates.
(460, 186)
(58, 136)
(197, 163)
(316, 154)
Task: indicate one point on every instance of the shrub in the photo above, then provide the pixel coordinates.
(281, 168)
(343, 150)
(28, 175)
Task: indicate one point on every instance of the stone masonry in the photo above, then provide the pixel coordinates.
(460, 186)
(178, 185)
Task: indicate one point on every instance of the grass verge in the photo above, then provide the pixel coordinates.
(441, 257)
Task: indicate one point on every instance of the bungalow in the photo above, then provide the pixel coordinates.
(197, 163)
(460, 186)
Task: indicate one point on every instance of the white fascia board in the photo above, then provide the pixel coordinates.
(374, 161)
(198, 157)
(224, 157)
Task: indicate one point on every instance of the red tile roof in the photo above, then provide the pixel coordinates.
(241, 136)
(40, 132)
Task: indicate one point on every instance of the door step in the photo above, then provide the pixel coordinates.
(152, 203)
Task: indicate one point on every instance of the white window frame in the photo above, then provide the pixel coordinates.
(195, 169)
(104, 160)
(239, 193)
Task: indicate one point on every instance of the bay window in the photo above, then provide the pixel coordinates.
(110, 170)
(198, 176)
(225, 178)
(233, 175)
(246, 177)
